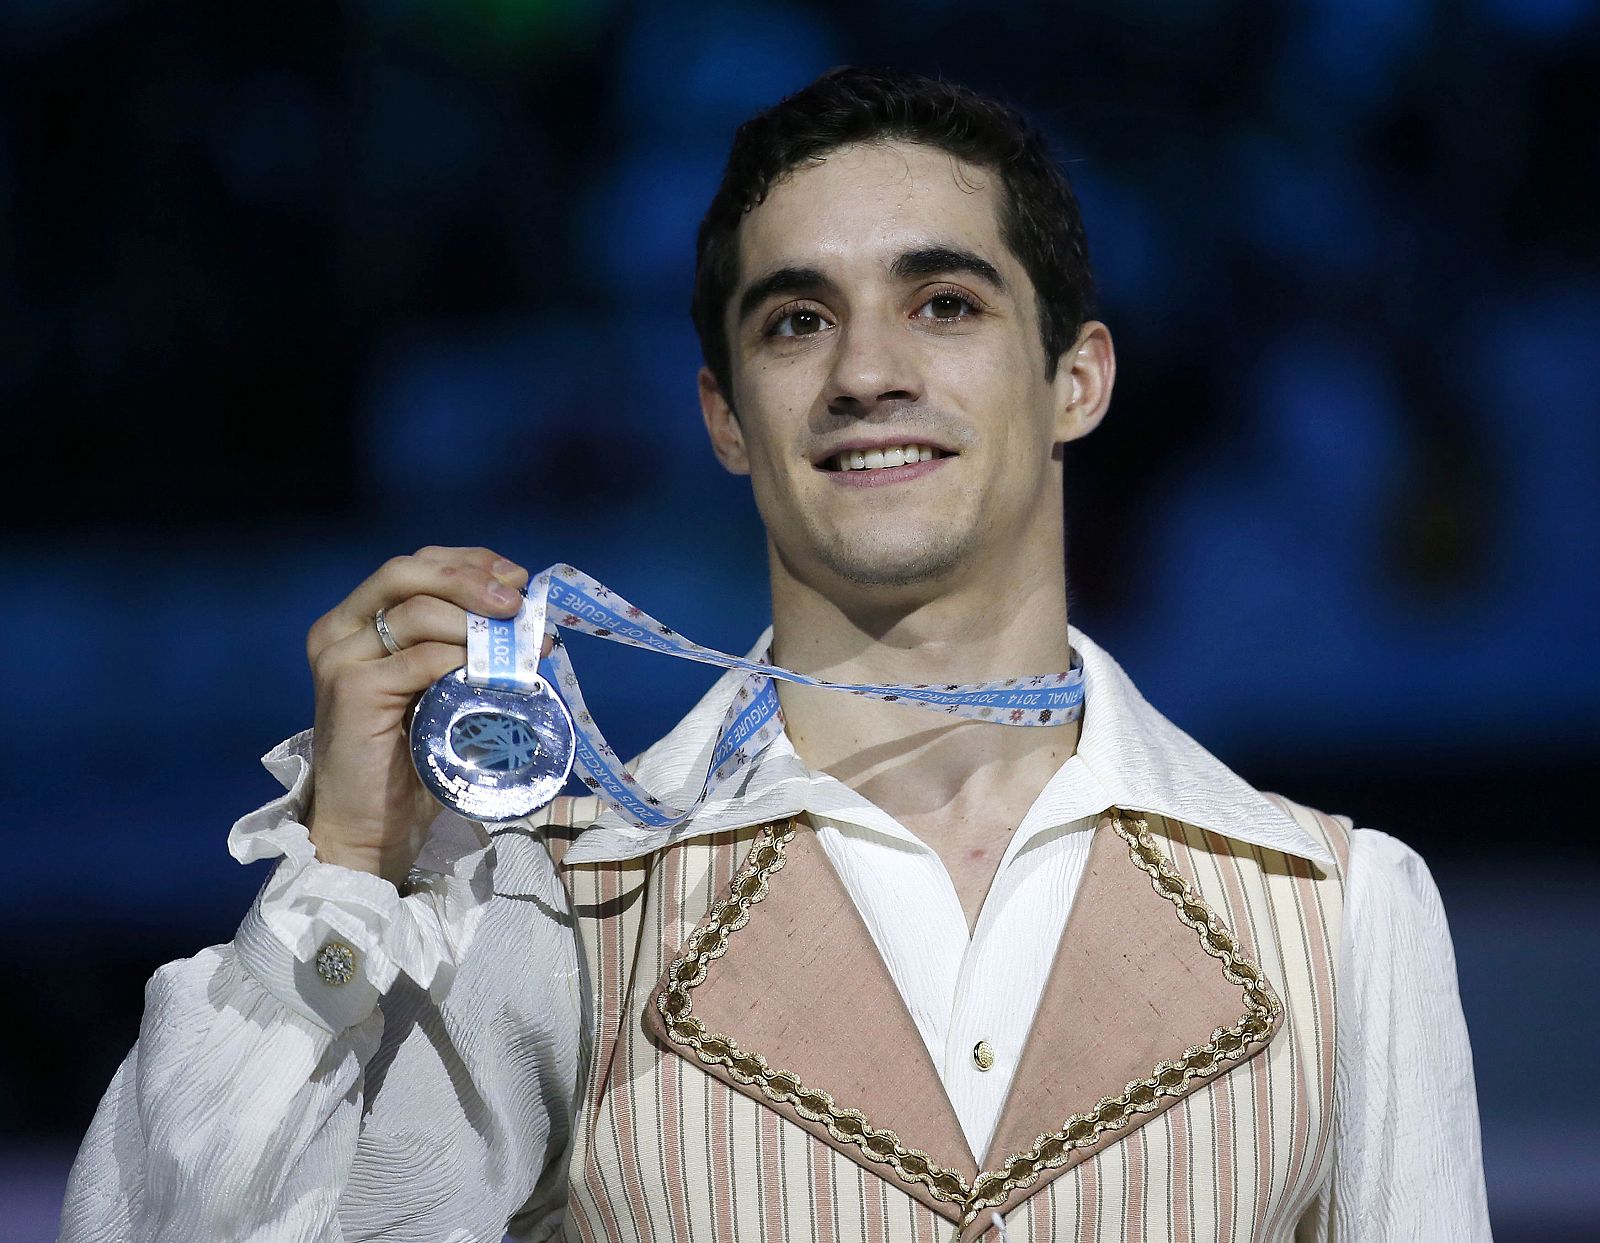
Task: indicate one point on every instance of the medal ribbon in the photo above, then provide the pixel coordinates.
(504, 653)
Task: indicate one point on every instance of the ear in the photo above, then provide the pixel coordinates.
(1083, 382)
(722, 425)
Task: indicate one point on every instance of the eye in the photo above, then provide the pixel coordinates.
(949, 305)
(799, 321)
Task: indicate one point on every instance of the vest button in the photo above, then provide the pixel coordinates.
(982, 1055)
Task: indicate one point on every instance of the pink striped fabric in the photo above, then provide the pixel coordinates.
(665, 1152)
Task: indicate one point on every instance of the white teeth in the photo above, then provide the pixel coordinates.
(879, 459)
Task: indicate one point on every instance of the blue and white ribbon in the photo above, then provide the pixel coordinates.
(505, 653)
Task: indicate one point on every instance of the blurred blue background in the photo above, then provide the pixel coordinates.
(287, 289)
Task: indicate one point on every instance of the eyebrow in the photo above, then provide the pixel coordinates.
(782, 282)
(915, 264)
(936, 260)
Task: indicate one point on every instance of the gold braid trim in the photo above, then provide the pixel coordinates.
(688, 971)
(1227, 1047)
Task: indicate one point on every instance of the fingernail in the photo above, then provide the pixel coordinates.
(501, 595)
(509, 571)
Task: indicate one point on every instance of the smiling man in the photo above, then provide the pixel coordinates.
(906, 977)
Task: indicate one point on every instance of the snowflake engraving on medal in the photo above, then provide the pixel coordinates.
(494, 741)
(489, 753)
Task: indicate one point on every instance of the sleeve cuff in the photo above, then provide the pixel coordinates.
(306, 906)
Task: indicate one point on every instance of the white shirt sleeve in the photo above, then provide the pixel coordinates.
(426, 1098)
(1408, 1163)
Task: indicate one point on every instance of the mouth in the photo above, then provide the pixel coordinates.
(880, 457)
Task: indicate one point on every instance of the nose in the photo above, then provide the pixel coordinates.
(875, 364)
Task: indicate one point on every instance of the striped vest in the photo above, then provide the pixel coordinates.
(754, 1074)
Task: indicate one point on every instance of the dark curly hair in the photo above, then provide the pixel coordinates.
(1039, 217)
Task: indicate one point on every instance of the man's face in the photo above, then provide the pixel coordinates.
(878, 310)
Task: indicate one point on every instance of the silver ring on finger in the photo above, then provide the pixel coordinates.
(385, 636)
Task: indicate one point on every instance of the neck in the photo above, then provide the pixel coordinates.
(915, 764)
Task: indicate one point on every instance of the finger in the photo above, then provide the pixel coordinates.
(423, 619)
(467, 567)
(400, 578)
(344, 675)
(503, 568)
(415, 669)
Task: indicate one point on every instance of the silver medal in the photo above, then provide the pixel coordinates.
(488, 753)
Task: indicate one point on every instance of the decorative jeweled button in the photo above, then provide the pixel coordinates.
(336, 963)
(982, 1055)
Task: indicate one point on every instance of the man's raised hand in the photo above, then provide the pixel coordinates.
(368, 809)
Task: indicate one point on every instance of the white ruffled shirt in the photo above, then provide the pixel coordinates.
(430, 1096)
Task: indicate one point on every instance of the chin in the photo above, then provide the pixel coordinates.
(875, 563)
